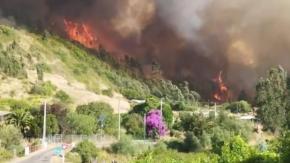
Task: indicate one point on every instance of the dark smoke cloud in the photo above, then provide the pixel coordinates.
(191, 39)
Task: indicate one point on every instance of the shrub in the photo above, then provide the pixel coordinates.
(236, 126)
(73, 157)
(62, 96)
(235, 150)
(80, 124)
(87, 150)
(160, 146)
(12, 64)
(43, 89)
(95, 109)
(167, 114)
(176, 145)
(218, 139)
(10, 136)
(155, 126)
(239, 107)
(205, 140)
(191, 143)
(133, 89)
(124, 146)
(5, 155)
(265, 157)
(179, 106)
(40, 69)
(285, 148)
(19, 104)
(134, 124)
(108, 92)
(19, 150)
(172, 156)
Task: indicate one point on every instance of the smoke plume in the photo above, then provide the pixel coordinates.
(192, 40)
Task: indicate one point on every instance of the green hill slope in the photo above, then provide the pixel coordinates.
(35, 67)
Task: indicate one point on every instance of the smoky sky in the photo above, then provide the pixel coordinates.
(191, 39)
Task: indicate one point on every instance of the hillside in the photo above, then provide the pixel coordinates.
(27, 60)
(37, 67)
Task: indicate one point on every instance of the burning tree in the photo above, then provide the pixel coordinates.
(155, 125)
(221, 93)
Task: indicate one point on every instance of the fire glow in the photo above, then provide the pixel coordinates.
(82, 33)
(221, 93)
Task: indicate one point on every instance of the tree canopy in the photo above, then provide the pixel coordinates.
(271, 98)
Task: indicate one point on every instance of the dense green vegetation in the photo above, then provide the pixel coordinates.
(102, 113)
(10, 140)
(191, 132)
(11, 61)
(272, 99)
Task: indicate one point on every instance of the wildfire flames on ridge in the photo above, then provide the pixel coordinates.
(82, 33)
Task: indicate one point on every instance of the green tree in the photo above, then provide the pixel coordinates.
(60, 111)
(271, 98)
(195, 123)
(235, 151)
(103, 113)
(134, 125)
(87, 150)
(52, 124)
(81, 124)
(21, 119)
(9, 136)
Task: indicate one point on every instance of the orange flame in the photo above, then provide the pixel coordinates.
(82, 33)
(221, 94)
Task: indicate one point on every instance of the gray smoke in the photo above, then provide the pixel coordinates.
(191, 39)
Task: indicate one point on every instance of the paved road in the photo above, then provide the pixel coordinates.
(43, 157)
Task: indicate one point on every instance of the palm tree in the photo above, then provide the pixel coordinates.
(21, 119)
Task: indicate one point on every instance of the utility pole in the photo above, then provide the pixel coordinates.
(63, 156)
(44, 143)
(119, 130)
(161, 107)
(144, 126)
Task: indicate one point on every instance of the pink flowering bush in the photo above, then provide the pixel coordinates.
(155, 125)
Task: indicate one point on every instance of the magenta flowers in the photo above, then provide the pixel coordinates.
(155, 125)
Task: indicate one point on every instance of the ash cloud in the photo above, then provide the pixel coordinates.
(191, 39)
